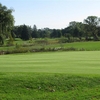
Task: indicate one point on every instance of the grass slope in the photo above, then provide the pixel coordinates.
(38, 86)
(50, 76)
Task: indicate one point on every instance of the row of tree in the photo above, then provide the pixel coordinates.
(89, 29)
(26, 32)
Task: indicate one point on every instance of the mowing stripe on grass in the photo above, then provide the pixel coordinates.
(80, 62)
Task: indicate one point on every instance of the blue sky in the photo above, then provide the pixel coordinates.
(52, 13)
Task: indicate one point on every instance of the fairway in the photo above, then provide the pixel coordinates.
(50, 76)
(80, 62)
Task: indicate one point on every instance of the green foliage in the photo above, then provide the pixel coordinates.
(10, 40)
(55, 33)
(92, 24)
(89, 28)
(42, 41)
(63, 40)
(1, 39)
(82, 31)
(6, 20)
(44, 45)
(35, 32)
(25, 35)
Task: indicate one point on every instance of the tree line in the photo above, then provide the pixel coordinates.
(89, 29)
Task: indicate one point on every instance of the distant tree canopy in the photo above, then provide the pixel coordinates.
(88, 30)
(6, 22)
(31, 32)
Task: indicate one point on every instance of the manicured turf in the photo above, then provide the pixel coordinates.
(50, 76)
(81, 62)
(88, 46)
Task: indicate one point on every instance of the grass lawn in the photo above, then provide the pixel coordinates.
(50, 76)
(89, 46)
(86, 62)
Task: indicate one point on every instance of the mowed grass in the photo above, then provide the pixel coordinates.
(88, 46)
(50, 76)
(81, 62)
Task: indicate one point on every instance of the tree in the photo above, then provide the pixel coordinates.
(1, 40)
(25, 35)
(17, 30)
(56, 33)
(92, 22)
(6, 21)
(77, 29)
(35, 32)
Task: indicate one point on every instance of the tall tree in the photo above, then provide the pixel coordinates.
(35, 32)
(56, 33)
(25, 35)
(6, 21)
(92, 22)
(76, 29)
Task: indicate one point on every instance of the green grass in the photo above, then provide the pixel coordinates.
(39, 86)
(91, 46)
(50, 76)
(53, 43)
(86, 62)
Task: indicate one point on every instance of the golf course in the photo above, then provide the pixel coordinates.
(72, 75)
(78, 62)
(49, 50)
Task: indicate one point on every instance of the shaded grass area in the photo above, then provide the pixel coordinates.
(42, 86)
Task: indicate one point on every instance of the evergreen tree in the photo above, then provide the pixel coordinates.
(25, 35)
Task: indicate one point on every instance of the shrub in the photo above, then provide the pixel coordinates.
(63, 40)
(70, 49)
(42, 41)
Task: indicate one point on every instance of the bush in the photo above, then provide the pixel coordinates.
(17, 50)
(70, 49)
(42, 41)
(63, 40)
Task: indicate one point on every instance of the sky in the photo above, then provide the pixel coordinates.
(52, 13)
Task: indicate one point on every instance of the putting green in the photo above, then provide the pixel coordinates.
(80, 62)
